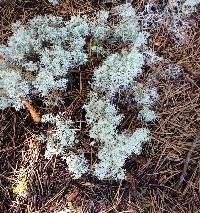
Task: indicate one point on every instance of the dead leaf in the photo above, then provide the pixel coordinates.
(69, 205)
(2, 57)
(86, 184)
(162, 179)
(71, 197)
(34, 114)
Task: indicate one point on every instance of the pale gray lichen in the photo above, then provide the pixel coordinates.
(127, 28)
(12, 86)
(115, 148)
(61, 137)
(172, 71)
(54, 2)
(47, 48)
(189, 6)
(114, 152)
(59, 140)
(77, 164)
(118, 71)
(40, 50)
(145, 95)
(147, 115)
(173, 16)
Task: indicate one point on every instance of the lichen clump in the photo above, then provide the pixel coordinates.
(39, 56)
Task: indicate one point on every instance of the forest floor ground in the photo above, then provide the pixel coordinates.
(164, 178)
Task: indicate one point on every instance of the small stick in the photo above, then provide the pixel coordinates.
(184, 173)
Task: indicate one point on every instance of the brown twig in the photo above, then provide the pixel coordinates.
(187, 161)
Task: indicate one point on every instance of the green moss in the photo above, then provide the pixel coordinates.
(21, 187)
